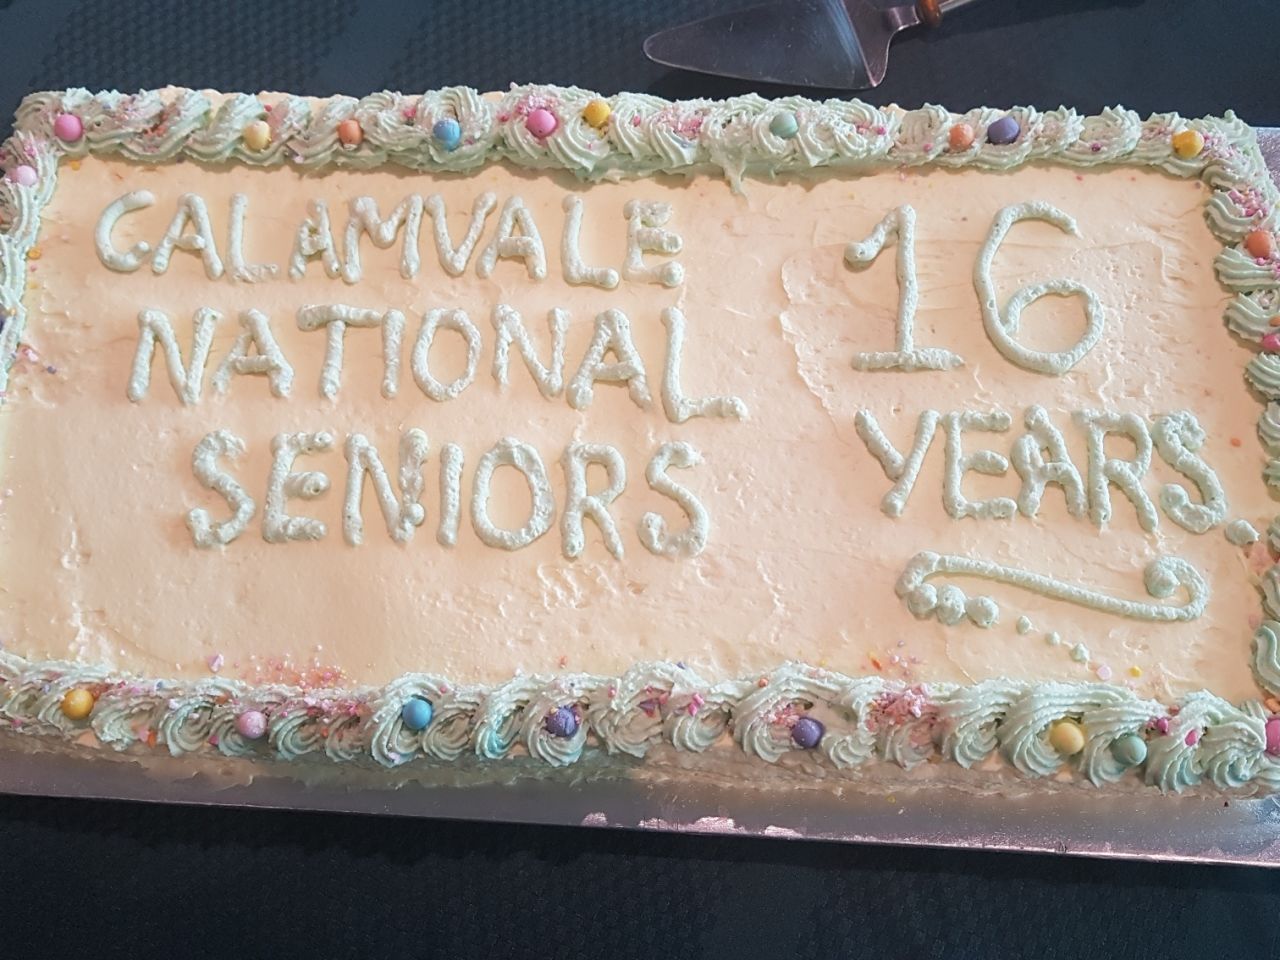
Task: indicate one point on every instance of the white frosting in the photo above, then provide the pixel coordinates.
(1177, 436)
(576, 270)
(335, 318)
(509, 327)
(255, 353)
(113, 259)
(654, 534)
(403, 513)
(453, 259)
(580, 504)
(1125, 475)
(459, 323)
(240, 269)
(512, 453)
(1037, 472)
(314, 239)
(645, 234)
(284, 484)
(187, 379)
(980, 461)
(509, 245)
(612, 335)
(677, 406)
(901, 470)
(205, 531)
(192, 211)
(365, 218)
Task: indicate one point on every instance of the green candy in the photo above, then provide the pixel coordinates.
(1129, 750)
(784, 125)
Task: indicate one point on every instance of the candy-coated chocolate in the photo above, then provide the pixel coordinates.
(1273, 736)
(447, 132)
(541, 122)
(350, 133)
(1005, 130)
(807, 733)
(417, 713)
(252, 724)
(1067, 737)
(596, 113)
(257, 135)
(784, 125)
(25, 175)
(961, 137)
(68, 128)
(1188, 143)
(1261, 244)
(1129, 750)
(562, 722)
(77, 703)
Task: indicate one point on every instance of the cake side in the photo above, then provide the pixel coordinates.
(856, 717)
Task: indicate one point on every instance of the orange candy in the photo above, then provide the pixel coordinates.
(350, 133)
(961, 137)
(1261, 244)
(77, 703)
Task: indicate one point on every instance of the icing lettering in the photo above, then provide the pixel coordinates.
(283, 484)
(454, 260)
(899, 469)
(460, 323)
(1125, 475)
(612, 335)
(575, 270)
(654, 535)
(1037, 472)
(1177, 436)
(402, 514)
(899, 226)
(511, 452)
(507, 245)
(266, 360)
(113, 259)
(510, 328)
(1002, 327)
(450, 494)
(314, 239)
(191, 211)
(986, 462)
(240, 270)
(366, 219)
(645, 234)
(336, 318)
(187, 379)
(675, 404)
(206, 532)
(579, 504)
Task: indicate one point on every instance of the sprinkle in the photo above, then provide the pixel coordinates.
(1272, 704)
(1236, 441)
(762, 682)
(695, 704)
(1135, 671)
(215, 662)
(34, 253)
(1192, 737)
(1103, 672)
(1162, 724)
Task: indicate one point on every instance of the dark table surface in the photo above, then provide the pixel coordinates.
(91, 879)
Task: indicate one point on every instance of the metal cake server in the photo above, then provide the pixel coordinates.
(843, 44)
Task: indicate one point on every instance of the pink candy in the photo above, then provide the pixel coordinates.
(252, 724)
(24, 175)
(541, 122)
(68, 128)
(1271, 342)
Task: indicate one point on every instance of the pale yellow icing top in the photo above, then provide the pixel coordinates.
(97, 564)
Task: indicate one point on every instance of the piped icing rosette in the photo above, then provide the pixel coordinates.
(1266, 656)
(1263, 374)
(475, 117)
(391, 127)
(971, 717)
(1237, 270)
(658, 134)
(999, 156)
(225, 733)
(34, 694)
(1024, 734)
(764, 719)
(859, 132)
(317, 144)
(571, 692)
(1231, 214)
(906, 721)
(1232, 748)
(1104, 723)
(1269, 429)
(167, 125)
(1174, 759)
(392, 742)
(222, 139)
(307, 723)
(1250, 315)
(628, 714)
(573, 143)
(922, 135)
(128, 712)
(188, 721)
(1108, 137)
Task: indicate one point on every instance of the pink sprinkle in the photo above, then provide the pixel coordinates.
(635, 120)
(1162, 725)
(1095, 147)
(213, 740)
(695, 704)
(1104, 672)
(215, 662)
(880, 131)
(1193, 737)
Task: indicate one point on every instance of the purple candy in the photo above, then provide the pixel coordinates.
(807, 733)
(562, 722)
(1004, 130)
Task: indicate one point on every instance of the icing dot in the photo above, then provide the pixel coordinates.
(68, 128)
(1260, 244)
(350, 133)
(1067, 737)
(596, 113)
(1188, 143)
(448, 133)
(252, 724)
(1052, 638)
(25, 175)
(960, 137)
(1271, 342)
(807, 733)
(1129, 750)
(1002, 131)
(983, 611)
(1024, 625)
(417, 713)
(257, 135)
(950, 604)
(1080, 653)
(1273, 736)
(562, 722)
(541, 122)
(77, 703)
(784, 125)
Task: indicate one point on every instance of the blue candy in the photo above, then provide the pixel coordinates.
(417, 713)
(784, 125)
(1004, 130)
(448, 133)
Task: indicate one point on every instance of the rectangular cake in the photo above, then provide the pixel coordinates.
(770, 440)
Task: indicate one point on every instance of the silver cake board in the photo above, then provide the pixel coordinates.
(1207, 827)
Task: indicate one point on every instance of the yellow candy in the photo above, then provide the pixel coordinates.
(77, 703)
(1135, 671)
(1188, 143)
(596, 113)
(1067, 737)
(257, 135)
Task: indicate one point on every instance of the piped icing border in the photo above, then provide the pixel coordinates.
(1103, 731)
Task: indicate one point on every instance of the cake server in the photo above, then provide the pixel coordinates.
(842, 44)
